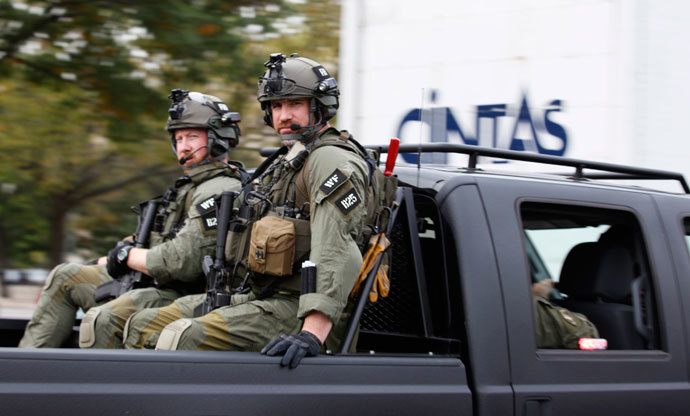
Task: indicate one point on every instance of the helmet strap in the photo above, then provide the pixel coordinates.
(314, 126)
(172, 142)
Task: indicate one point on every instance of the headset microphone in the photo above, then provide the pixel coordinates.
(184, 160)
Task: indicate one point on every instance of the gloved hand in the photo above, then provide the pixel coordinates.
(295, 347)
(117, 259)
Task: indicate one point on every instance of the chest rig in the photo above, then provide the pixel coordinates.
(176, 201)
(279, 188)
(168, 220)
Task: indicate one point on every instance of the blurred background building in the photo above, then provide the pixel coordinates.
(604, 80)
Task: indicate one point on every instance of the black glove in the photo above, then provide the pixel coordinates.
(117, 259)
(295, 347)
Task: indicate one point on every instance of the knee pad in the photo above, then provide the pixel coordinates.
(170, 336)
(87, 335)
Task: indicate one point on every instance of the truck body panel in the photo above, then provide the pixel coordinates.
(146, 382)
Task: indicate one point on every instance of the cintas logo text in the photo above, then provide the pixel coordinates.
(515, 127)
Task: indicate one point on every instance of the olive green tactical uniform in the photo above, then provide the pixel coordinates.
(330, 187)
(557, 327)
(175, 263)
(71, 286)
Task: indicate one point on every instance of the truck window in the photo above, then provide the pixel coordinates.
(418, 316)
(553, 245)
(597, 261)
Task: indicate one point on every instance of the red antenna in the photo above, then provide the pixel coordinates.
(392, 156)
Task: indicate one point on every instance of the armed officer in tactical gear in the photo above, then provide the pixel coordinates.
(202, 129)
(306, 202)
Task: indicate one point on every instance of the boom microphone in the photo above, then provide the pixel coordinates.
(184, 160)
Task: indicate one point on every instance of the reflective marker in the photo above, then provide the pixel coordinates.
(590, 344)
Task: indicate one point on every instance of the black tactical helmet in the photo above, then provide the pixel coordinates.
(298, 77)
(194, 110)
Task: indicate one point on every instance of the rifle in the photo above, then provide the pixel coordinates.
(134, 279)
(215, 271)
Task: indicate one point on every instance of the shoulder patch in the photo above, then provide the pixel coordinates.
(348, 202)
(207, 206)
(332, 182)
(567, 316)
(209, 221)
(207, 211)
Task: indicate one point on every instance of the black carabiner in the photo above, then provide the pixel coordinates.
(378, 218)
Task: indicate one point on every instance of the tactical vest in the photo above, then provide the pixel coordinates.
(281, 188)
(174, 208)
(176, 201)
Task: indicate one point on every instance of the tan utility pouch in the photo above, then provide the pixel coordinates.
(272, 246)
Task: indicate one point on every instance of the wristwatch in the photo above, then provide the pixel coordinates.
(123, 253)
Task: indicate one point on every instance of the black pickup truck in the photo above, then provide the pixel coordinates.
(456, 335)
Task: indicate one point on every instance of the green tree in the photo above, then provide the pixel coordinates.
(124, 51)
(83, 92)
(82, 104)
(55, 159)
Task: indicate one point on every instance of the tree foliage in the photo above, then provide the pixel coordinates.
(83, 86)
(56, 159)
(124, 51)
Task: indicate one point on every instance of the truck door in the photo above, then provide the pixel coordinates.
(486, 340)
(606, 251)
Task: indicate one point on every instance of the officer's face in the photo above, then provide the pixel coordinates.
(191, 140)
(288, 112)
